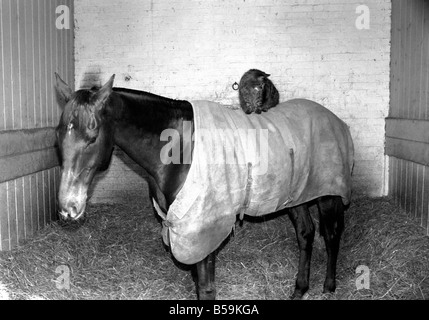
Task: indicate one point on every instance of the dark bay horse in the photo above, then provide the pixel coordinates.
(94, 120)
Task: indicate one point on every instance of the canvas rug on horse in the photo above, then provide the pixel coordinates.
(255, 165)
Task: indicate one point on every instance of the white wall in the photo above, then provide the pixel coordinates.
(197, 49)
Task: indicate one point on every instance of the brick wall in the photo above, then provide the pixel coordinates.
(197, 49)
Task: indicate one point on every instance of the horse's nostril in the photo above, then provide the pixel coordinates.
(73, 211)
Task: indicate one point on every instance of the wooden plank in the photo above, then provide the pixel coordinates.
(401, 53)
(55, 57)
(413, 98)
(394, 53)
(48, 15)
(420, 8)
(29, 99)
(19, 203)
(402, 184)
(34, 203)
(46, 197)
(66, 52)
(4, 219)
(27, 207)
(424, 111)
(40, 199)
(398, 180)
(59, 51)
(425, 212)
(15, 142)
(16, 106)
(411, 189)
(407, 185)
(2, 102)
(12, 167)
(22, 32)
(53, 186)
(414, 130)
(404, 57)
(71, 45)
(11, 206)
(36, 63)
(419, 192)
(42, 39)
(51, 65)
(392, 177)
(408, 150)
(7, 63)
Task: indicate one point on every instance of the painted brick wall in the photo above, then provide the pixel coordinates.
(197, 49)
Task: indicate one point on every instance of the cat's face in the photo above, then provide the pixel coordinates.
(252, 95)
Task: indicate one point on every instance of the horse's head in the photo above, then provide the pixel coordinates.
(85, 141)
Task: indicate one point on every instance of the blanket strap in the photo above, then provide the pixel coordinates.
(165, 223)
(292, 160)
(246, 202)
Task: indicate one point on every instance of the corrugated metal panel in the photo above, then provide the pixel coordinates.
(31, 50)
(407, 139)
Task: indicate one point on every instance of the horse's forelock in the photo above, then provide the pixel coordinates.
(81, 110)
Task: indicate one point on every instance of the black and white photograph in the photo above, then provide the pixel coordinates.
(240, 151)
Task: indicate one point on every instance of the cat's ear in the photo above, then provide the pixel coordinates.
(263, 78)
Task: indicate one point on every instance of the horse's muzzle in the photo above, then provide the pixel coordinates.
(72, 212)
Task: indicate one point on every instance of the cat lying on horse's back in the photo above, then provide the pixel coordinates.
(256, 92)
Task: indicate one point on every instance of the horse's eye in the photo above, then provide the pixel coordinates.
(92, 140)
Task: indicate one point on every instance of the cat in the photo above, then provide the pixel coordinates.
(256, 92)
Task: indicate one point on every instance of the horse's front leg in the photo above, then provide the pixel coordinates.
(304, 228)
(206, 287)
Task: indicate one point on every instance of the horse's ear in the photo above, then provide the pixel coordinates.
(105, 91)
(63, 91)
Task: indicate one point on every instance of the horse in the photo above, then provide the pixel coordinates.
(94, 120)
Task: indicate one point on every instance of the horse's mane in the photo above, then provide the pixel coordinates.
(144, 96)
(145, 109)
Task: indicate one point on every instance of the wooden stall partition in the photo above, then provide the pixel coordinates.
(36, 40)
(407, 127)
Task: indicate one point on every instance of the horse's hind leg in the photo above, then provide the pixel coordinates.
(331, 211)
(304, 228)
(206, 287)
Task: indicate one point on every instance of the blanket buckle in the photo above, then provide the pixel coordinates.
(165, 223)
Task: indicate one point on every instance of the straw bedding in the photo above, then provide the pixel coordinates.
(118, 254)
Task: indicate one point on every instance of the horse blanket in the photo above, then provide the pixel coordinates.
(255, 164)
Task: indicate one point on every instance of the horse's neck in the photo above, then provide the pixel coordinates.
(137, 131)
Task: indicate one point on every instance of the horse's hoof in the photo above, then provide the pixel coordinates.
(329, 286)
(298, 294)
(295, 297)
(207, 295)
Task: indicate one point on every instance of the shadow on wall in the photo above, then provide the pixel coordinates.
(91, 77)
